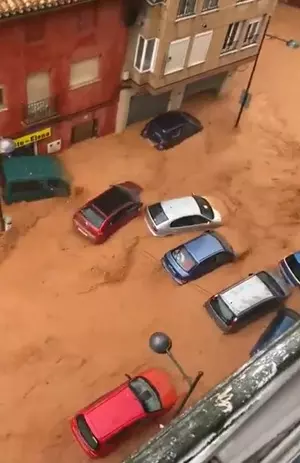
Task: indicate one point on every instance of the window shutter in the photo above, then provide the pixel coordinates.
(84, 72)
(200, 48)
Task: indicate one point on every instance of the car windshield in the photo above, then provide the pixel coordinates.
(222, 310)
(146, 395)
(157, 214)
(95, 218)
(86, 433)
(271, 283)
(294, 266)
(205, 208)
(184, 258)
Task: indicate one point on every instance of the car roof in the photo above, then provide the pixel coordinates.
(180, 207)
(23, 168)
(170, 120)
(111, 200)
(112, 413)
(245, 294)
(204, 246)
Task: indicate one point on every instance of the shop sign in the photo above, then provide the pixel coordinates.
(33, 137)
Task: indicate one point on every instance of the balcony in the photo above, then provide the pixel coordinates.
(40, 111)
(251, 39)
(229, 46)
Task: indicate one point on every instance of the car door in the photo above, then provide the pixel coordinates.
(115, 222)
(204, 267)
(191, 222)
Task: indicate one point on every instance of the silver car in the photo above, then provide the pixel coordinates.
(182, 215)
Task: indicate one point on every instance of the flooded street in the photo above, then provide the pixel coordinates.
(76, 317)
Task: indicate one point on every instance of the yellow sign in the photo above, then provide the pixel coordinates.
(32, 137)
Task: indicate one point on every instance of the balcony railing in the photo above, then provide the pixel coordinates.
(252, 39)
(231, 45)
(41, 110)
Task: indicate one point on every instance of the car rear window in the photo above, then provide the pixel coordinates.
(222, 310)
(294, 266)
(94, 217)
(184, 259)
(86, 433)
(205, 207)
(157, 214)
(271, 283)
(146, 395)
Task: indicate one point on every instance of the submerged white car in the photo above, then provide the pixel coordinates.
(182, 215)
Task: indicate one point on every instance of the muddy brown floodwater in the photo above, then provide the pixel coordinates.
(74, 318)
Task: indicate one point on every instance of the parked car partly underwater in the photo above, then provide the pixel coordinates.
(199, 256)
(169, 129)
(184, 214)
(98, 427)
(284, 320)
(249, 299)
(290, 268)
(102, 216)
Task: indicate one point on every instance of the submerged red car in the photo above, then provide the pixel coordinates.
(98, 427)
(105, 214)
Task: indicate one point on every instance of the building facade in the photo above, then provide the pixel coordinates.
(60, 71)
(181, 47)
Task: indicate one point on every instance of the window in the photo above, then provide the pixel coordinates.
(95, 218)
(157, 214)
(86, 433)
(2, 102)
(117, 217)
(31, 185)
(209, 5)
(200, 48)
(186, 8)
(177, 55)
(252, 32)
(205, 208)
(184, 259)
(146, 395)
(232, 37)
(188, 221)
(84, 72)
(145, 54)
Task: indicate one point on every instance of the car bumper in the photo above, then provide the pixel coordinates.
(223, 327)
(149, 226)
(85, 233)
(170, 272)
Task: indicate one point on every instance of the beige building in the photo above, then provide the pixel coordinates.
(178, 48)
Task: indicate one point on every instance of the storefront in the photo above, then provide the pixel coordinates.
(27, 145)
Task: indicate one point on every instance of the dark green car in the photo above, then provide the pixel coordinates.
(30, 178)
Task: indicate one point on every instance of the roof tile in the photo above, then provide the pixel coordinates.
(20, 7)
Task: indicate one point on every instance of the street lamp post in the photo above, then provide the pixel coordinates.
(7, 146)
(161, 343)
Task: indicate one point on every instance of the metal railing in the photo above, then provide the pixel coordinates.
(228, 46)
(251, 39)
(40, 110)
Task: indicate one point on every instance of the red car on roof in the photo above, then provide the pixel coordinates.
(98, 426)
(105, 214)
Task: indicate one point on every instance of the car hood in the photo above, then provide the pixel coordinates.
(117, 410)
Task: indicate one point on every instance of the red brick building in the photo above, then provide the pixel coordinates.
(60, 70)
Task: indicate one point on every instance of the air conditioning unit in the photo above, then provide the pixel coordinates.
(155, 2)
(54, 146)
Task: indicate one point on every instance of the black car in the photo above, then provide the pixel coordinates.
(284, 320)
(170, 129)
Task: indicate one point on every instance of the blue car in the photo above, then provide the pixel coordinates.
(290, 268)
(198, 257)
(284, 320)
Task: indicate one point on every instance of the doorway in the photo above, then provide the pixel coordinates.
(83, 131)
